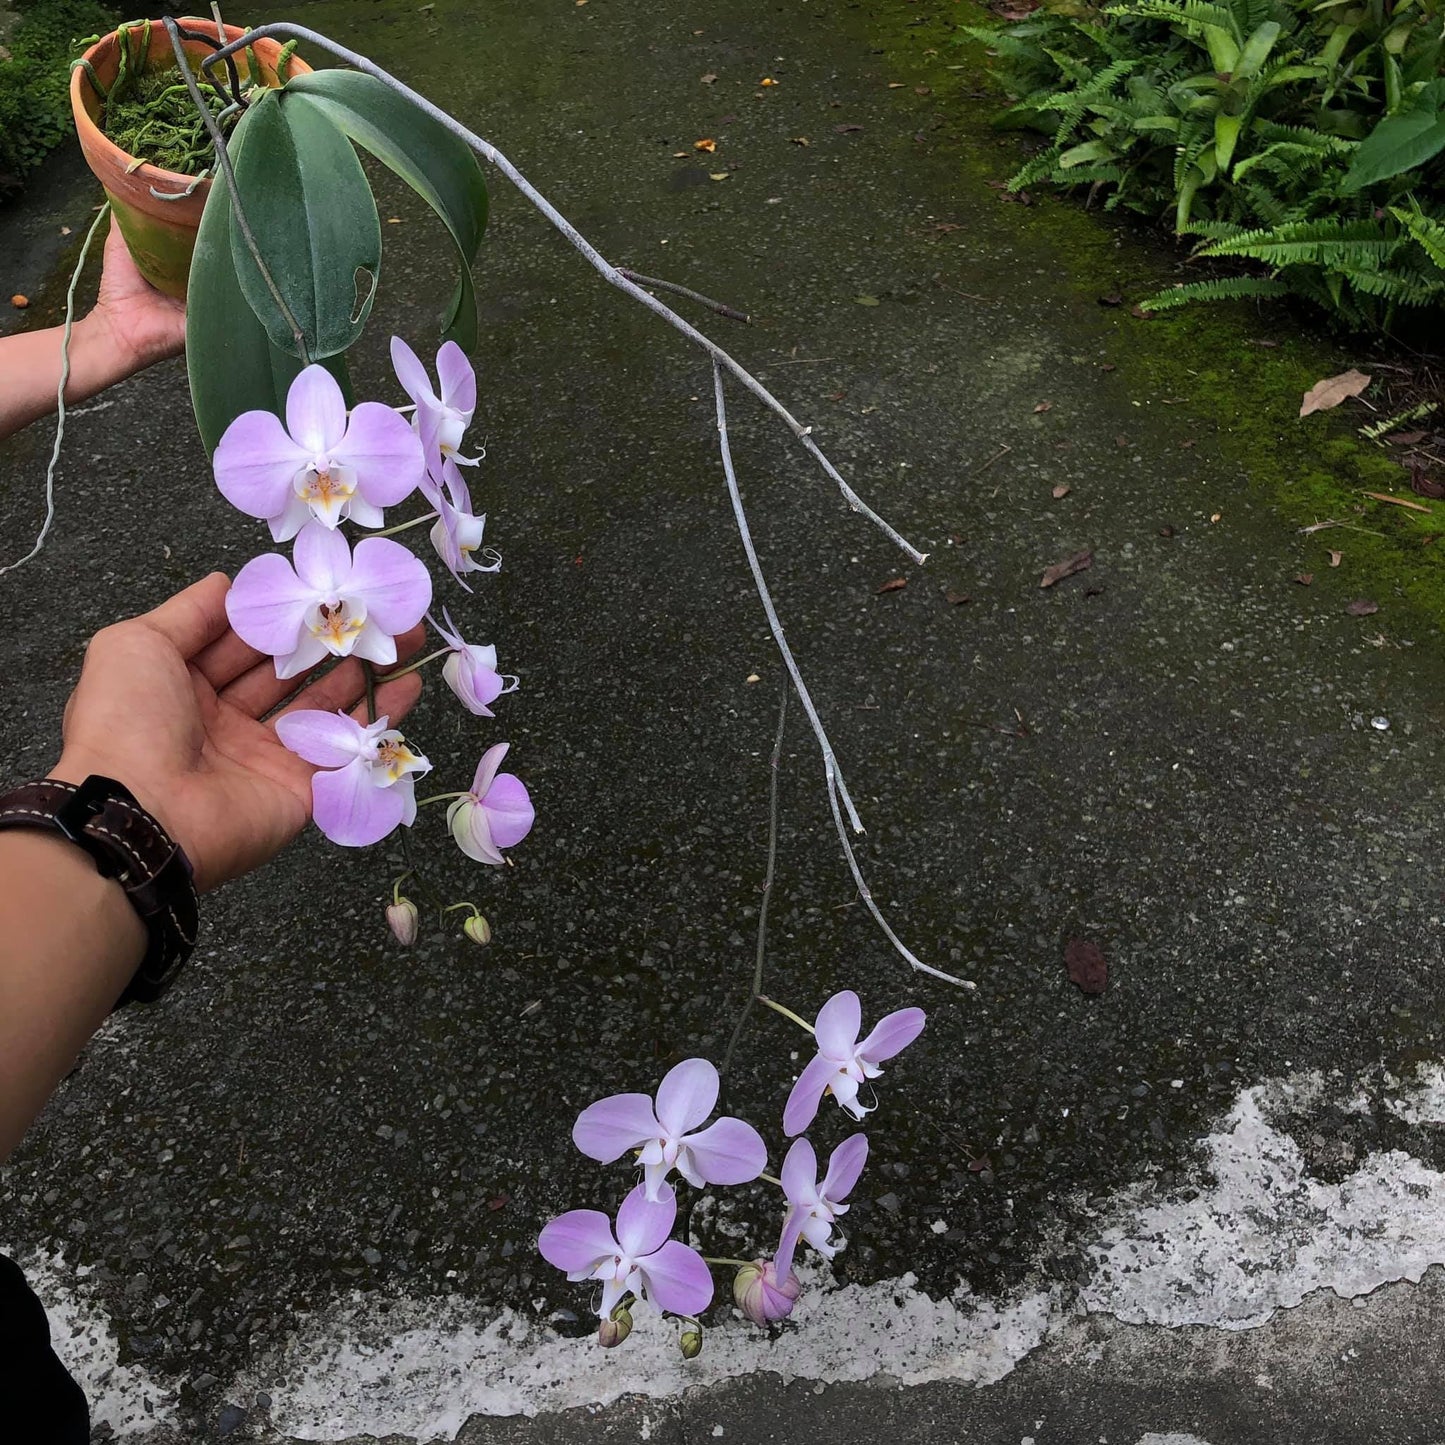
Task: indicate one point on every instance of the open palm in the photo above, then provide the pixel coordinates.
(173, 705)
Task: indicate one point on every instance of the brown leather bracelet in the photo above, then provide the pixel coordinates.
(127, 844)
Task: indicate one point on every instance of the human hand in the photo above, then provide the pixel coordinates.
(170, 704)
(132, 322)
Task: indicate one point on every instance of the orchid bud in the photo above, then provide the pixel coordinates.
(690, 1342)
(760, 1295)
(611, 1332)
(478, 929)
(401, 918)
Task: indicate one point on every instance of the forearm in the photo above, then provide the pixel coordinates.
(69, 944)
(30, 365)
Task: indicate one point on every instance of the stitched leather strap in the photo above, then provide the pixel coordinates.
(130, 846)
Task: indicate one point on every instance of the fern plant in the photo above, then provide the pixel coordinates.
(1305, 138)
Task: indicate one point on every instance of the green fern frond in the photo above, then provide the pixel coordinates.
(1331, 243)
(1228, 288)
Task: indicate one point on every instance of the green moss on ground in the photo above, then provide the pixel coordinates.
(1240, 367)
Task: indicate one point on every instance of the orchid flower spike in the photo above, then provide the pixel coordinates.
(456, 535)
(441, 420)
(497, 813)
(366, 788)
(762, 1295)
(331, 602)
(637, 1259)
(726, 1152)
(471, 670)
(842, 1063)
(319, 464)
(813, 1207)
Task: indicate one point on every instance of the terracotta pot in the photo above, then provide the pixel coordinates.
(161, 234)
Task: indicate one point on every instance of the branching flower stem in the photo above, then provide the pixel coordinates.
(609, 272)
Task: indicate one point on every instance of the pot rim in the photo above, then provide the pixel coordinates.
(96, 140)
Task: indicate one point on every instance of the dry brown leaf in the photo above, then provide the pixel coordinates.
(1336, 558)
(1079, 562)
(1061, 491)
(1304, 578)
(1397, 501)
(801, 140)
(705, 145)
(718, 175)
(849, 129)
(767, 80)
(1086, 965)
(1362, 607)
(1327, 394)
(1043, 406)
(893, 584)
(708, 79)
(956, 599)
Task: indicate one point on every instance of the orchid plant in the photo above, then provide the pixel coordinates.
(638, 1259)
(324, 468)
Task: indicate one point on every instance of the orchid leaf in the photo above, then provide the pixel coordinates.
(314, 223)
(436, 164)
(233, 366)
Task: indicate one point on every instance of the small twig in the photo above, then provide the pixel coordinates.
(101, 215)
(580, 244)
(767, 891)
(1003, 451)
(223, 159)
(731, 312)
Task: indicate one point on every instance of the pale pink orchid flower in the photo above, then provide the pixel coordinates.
(762, 1295)
(321, 464)
(813, 1207)
(842, 1063)
(726, 1152)
(496, 813)
(331, 602)
(366, 787)
(637, 1259)
(471, 670)
(456, 535)
(441, 421)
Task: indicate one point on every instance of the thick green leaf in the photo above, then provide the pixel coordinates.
(1257, 49)
(1398, 144)
(315, 224)
(439, 166)
(1226, 137)
(233, 366)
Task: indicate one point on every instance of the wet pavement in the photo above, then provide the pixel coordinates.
(1182, 754)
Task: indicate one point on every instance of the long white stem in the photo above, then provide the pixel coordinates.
(605, 268)
(833, 778)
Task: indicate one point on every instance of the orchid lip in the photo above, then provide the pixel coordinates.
(336, 623)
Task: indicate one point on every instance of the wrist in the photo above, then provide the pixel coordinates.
(98, 356)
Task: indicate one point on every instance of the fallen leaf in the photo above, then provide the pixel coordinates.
(956, 599)
(801, 140)
(767, 80)
(1216, 516)
(1061, 491)
(1121, 441)
(867, 300)
(847, 129)
(705, 145)
(19, 302)
(393, 220)
(1398, 501)
(717, 175)
(979, 1165)
(1304, 578)
(752, 677)
(681, 153)
(1086, 965)
(1425, 486)
(1112, 299)
(1336, 558)
(1108, 366)
(65, 230)
(1043, 406)
(709, 78)
(1166, 530)
(1079, 562)
(945, 227)
(502, 1200)
(893, 584)
(1327, 394)
(1362, 607)
(1260, 341)
(1406, 438)
(1140, 313)
(923, 90)
(895, 85)
(1187, 442)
